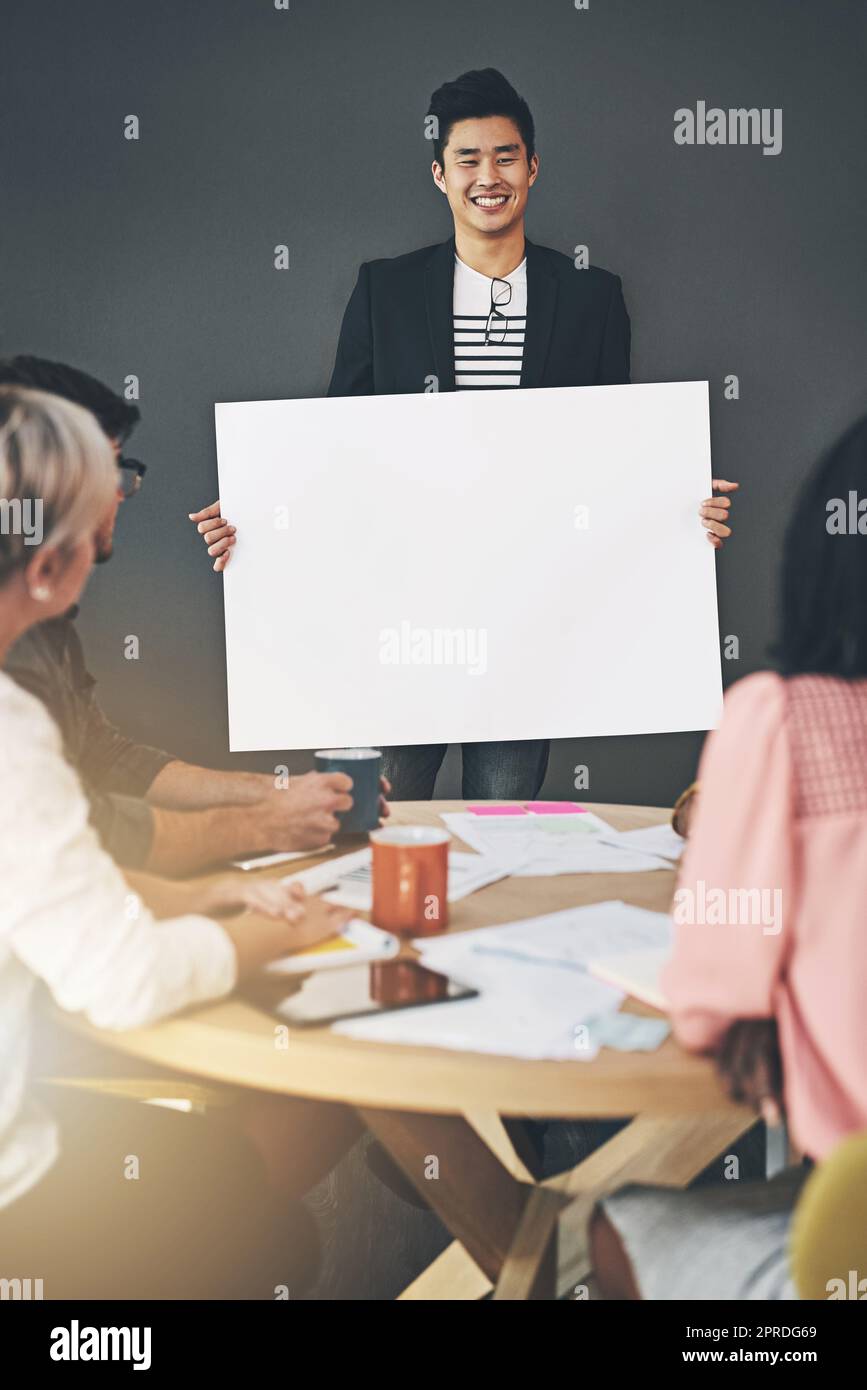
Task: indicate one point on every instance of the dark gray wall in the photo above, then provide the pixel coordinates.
(260, 127)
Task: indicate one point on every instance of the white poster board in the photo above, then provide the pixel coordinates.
(456, 567)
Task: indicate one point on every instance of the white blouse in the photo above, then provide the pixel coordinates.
(67, 917)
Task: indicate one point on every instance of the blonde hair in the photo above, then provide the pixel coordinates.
(54, 461)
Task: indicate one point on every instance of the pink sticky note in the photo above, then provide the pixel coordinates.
(554, 808)
(497, 810)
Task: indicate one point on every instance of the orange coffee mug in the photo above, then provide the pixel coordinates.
(410, 878)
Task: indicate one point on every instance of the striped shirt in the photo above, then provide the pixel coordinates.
(478, 366)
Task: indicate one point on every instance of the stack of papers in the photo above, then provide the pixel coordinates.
(348, 881)
(537, 997)
(570, 939)
(540, 845)
(660, 840)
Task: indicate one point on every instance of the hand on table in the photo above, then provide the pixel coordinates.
(233, 893)
(715, 512)
(751, 1067)
(311, 919)
(216, 532)
(279, 919)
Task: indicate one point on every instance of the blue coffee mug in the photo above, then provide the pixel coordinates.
(364, 766)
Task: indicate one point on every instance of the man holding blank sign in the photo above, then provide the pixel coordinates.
(485, 311)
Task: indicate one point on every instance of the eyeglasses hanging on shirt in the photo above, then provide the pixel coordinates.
(501, 295)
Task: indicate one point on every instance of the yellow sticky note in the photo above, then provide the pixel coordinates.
(334, 943)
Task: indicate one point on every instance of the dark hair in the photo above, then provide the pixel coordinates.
(823, 627)
(481, 93)
(116, 417)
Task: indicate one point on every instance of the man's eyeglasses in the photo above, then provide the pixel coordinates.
(130, 473)
(501, 295)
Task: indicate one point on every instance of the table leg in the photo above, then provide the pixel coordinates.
(452, 1277)
(654, 1150)
(459, 1177)
(530, 1268)
(509, 1140)
(529, 1240)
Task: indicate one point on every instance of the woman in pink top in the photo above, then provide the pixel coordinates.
(770, 936)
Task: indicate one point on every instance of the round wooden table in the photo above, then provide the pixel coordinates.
(465, 1109)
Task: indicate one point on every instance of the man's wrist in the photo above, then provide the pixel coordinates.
(251, 787)
(190, 841)
(246, 829)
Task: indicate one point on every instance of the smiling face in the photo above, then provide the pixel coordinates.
(487, 176)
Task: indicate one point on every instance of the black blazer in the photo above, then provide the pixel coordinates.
(398, 330)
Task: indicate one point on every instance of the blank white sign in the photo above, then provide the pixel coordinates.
(468, 566)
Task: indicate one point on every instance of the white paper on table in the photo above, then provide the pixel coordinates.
(525, 1010)
(469, 872)
(661, 840)
(267, 861)
(348, 881)
(487, 832)
(537, 846)
(596, 858)
(570, 939)
(639, 973)
(502, 837)
(536, 987)
(348, 876)
(545, 579)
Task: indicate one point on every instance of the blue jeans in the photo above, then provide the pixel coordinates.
(491, 771)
